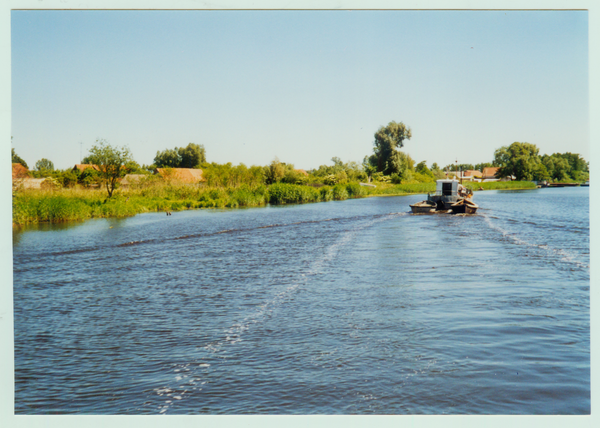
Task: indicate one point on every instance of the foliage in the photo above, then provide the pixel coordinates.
(519, 160)
(565, 167)
(387, 142)
(499, 185)
(89, 176)
(110, 160)
(522, 160)
(182, 157)
(274, 172)
(16, 158)
(44, 165)
(227, 175)
(284, 193)
(339, 172)
(422, 169)
(459, 167)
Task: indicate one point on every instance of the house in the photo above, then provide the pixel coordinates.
(19, 171)
(84, 166)
(36, 183)
(469, 175)
(185, 175)
(489, 174)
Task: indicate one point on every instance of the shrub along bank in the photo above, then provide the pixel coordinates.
(77, 204)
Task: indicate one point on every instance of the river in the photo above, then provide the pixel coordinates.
(346, 307)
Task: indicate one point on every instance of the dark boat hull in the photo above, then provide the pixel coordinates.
(464, 207)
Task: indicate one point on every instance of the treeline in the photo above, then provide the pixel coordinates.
(386, 165)
(523, 162)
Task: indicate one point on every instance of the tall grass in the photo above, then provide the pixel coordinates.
(501, 185)
(54, 206)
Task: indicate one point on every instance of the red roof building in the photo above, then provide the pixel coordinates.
(19, 171)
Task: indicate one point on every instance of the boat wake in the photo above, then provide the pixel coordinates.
(190, 378)
(563, 255)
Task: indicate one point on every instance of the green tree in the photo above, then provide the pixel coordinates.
(168, 158)
(387, 142)
(540, 173)
(17, 159)
(181, 157)
(192, 155)
(44, 165)
(274, 172)
(110, 160)
(519, 160)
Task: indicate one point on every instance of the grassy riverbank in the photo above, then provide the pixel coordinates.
(78, 204)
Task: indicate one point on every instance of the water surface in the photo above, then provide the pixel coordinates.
(353, 307)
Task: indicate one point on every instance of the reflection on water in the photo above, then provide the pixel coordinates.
(353, 307)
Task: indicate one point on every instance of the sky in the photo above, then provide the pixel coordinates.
(302, 86)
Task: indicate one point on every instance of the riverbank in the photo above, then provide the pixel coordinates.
(78, 204)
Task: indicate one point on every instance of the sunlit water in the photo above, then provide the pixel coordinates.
(353, 307)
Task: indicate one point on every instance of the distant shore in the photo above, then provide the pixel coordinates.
(79, 204)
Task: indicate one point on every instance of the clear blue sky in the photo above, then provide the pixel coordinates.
(300, 85)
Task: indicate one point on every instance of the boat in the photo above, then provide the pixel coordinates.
(586, 184)
(464, 206)
(449, 196)
(423, 207)
(448, 192)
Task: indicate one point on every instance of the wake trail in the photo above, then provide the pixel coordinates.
(190, 377)
(563, 255)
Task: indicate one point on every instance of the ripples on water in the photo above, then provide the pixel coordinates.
(353, 307)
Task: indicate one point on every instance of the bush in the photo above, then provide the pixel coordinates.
(339, 192)
(355, 190)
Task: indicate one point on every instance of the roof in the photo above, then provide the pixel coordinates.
(187, 175)
(19, 171)
(490, 171)
(472, 173)
(83, 166)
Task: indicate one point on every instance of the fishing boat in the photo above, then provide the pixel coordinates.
(423, 207)
(464, 206)
(449, 196)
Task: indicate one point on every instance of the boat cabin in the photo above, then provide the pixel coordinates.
(446, 187)
(446, 193)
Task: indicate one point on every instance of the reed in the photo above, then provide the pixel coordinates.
(501, 185)
(78, 204)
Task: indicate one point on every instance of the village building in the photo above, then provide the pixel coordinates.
(469, 175)
(19, 171)
(184, 175)
(82, 167)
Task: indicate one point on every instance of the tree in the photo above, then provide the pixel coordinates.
(44, 165)
(192, 155)
(110, 160)
(168, 158)
(387, 142)
(274, 172)
(519, 160)
(17, 159)
(181, 157)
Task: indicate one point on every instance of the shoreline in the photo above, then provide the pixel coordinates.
(145, 204)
